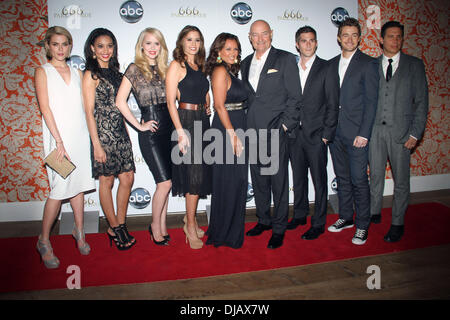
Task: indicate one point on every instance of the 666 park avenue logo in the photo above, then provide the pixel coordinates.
(71, 11)
(188, 12)
(293, 15)
(72, 15)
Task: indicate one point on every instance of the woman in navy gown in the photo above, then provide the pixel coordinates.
(230, 172)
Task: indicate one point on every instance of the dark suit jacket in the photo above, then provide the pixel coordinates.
(320, 103)
(411, 97)
(358, 95)
(277, 98)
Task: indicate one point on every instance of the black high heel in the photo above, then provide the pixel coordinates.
(119, 238)
(159, 243)
(129, 237)
(111, 238)
(167, 237)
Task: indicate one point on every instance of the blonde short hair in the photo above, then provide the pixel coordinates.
(161, 60)
(56, 30)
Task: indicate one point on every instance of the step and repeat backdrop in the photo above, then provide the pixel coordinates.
(126, 19)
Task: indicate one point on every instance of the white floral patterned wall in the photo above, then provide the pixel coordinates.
(23, 25)
(427, 33)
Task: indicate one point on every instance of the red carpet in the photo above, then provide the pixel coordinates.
(20, 267)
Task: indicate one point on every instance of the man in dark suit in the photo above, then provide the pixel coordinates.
(399, 123)
(318, 121)
(358, 76)
(272, 81)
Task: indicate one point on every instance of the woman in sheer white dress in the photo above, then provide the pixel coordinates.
(58, 91)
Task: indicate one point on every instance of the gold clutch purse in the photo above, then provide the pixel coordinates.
(63, 168)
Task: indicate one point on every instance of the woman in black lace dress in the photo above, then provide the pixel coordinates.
(145, 78)
(187, 83)
(111, 152)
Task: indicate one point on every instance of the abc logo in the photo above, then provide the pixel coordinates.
(77, 62)
(241, 13)
(338, 16)
(140, 198)
(250, 193)
(334, 185)
(134, 107)
(131, 11)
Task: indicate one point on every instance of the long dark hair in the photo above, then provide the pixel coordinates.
(178, 52)
(218, 45)
(91, 63)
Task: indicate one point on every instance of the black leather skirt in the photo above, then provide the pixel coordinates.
(156, 146)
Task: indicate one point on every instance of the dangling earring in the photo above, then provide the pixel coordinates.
(219, 59)
(235, 61)
(94, 57)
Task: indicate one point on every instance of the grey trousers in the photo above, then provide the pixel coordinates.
(383, 147)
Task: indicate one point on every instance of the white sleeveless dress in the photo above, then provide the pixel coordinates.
(66, 104)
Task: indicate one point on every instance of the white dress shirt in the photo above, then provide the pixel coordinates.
(255, 69)
(304, 73)
(343, 65)
(395, 62)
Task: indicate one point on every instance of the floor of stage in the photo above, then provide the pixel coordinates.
(414, 274)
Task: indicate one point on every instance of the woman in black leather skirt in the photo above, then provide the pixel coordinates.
(145, 78)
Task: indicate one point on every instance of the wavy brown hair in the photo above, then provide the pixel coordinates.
(217, 45)
(178, 52)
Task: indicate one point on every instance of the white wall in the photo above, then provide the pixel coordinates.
(80, 17)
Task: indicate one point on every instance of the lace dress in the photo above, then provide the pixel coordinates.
(111, 129)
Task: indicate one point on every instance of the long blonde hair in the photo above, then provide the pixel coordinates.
(161, 60)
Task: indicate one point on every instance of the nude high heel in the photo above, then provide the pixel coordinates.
(79, 235)
(194, 243)
(43, 247)
(200, 232)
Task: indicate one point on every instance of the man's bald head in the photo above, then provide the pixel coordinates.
(260, 36)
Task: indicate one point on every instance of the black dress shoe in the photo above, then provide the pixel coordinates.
(258, 229)
(313, 233)
(376, 218)
(275, 241)
(394, 234)
(294, 223)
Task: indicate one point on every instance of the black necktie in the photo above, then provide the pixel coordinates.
(389, 70)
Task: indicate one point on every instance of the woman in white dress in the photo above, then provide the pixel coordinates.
(58, 91)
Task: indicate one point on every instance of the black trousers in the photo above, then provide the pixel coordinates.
(276, 183)
(304, 155)
(350, 166)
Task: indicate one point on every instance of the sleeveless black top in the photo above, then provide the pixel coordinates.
(237, 92)
(194, 86)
